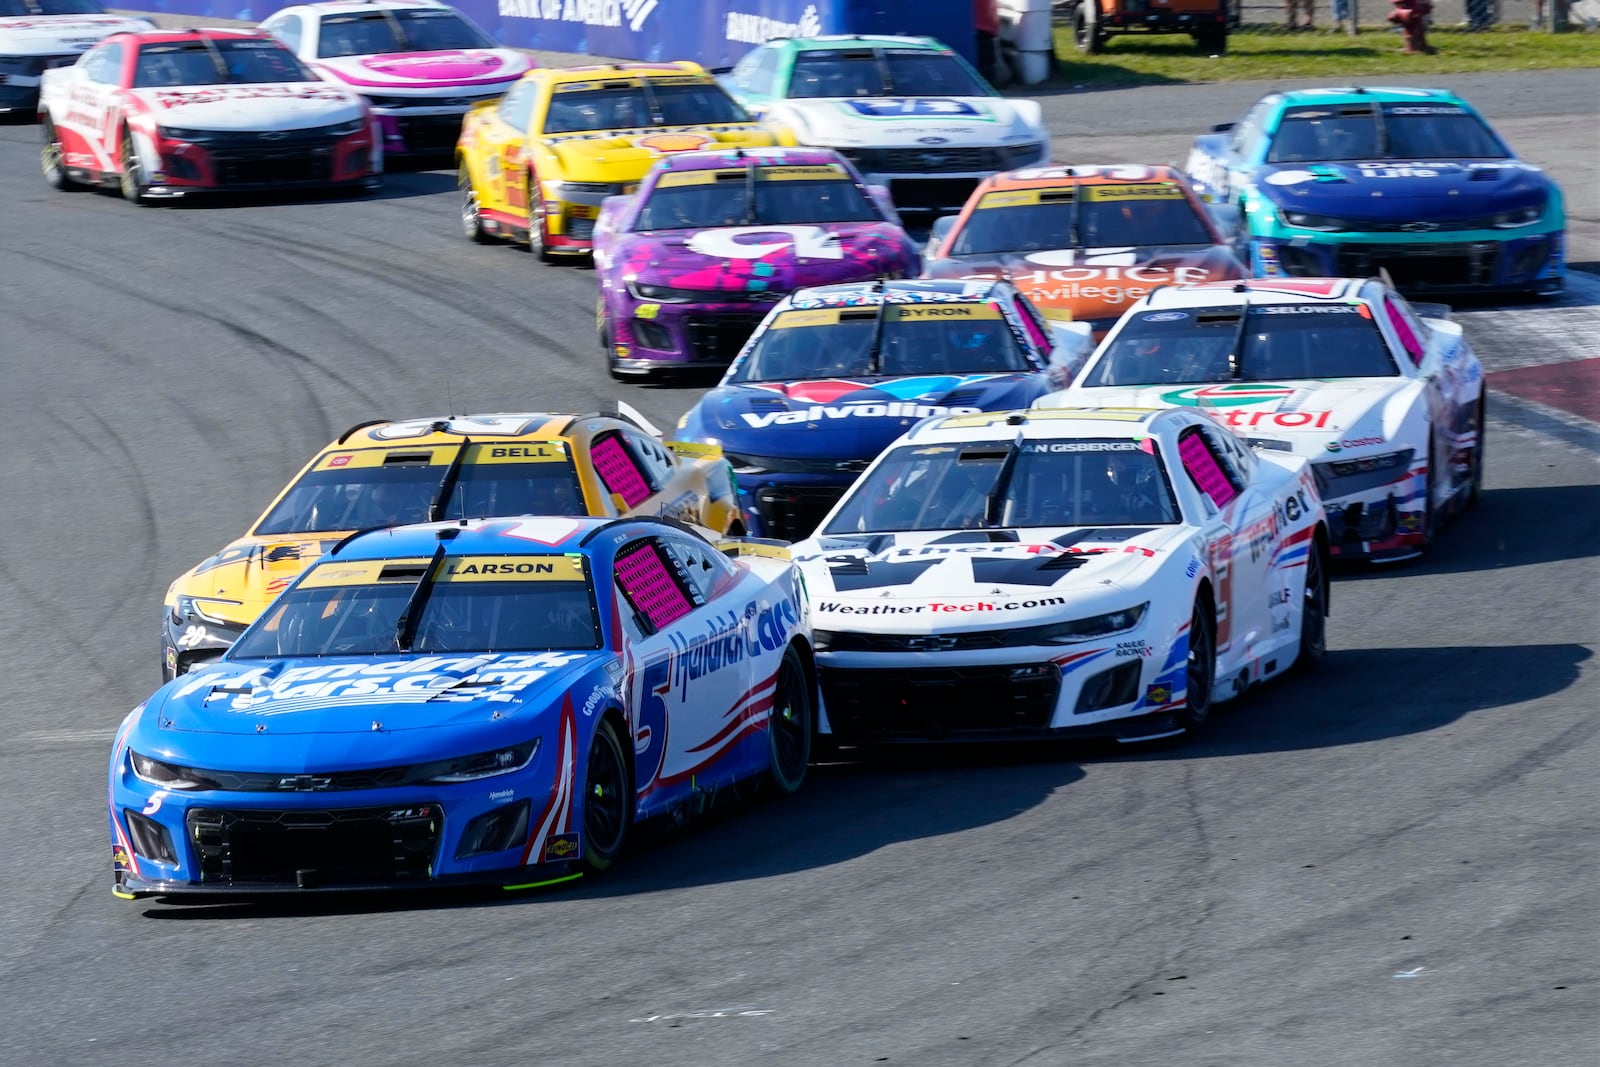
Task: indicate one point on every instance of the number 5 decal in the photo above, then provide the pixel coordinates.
(650, 732)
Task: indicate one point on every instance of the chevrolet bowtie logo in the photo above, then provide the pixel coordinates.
(930, 644)
(304, 783)
(1420, 227)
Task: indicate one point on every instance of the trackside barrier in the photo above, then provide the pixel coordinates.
(714, 33)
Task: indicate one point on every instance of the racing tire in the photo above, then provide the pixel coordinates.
(794, 713)
(607, 801)
(51, 158)
(603, 331)
(1430, 516)
(130, 172)
(1201, 670)
(1086, 36)
(536, 235)
(1475, 485)
(471, 217)
(1314, 608)
(1212, 41)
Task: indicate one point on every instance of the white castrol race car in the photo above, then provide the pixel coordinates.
(1095, 572)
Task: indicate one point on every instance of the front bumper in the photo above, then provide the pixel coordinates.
(940, 179)
(1120, 688)
(654, 336)
(789, 506)
(186, 644)
(419, 131)
(1378, 517)
(1428, 262)
(253, 161)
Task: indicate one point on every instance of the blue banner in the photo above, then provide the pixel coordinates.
(713, 33)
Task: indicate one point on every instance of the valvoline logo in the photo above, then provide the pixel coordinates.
(1232, 395)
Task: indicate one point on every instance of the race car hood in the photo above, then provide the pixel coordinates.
(1313, 418)
(1431, 191)
(1095, 283)
(327, 713)
(624, 155)
(777, 259)
(252, 571)
(932, 123)
(980, 579)
(472, 68)
(844, 419)
(55, 35)
(272, 106)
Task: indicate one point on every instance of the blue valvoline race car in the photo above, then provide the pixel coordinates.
(489, 700)
(1348, 182)
(835, 373)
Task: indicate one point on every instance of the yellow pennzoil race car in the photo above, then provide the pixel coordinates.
(536, 164)
(380, 474)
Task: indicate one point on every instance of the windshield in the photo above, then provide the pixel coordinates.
(1394, 131)
(754, 195)
(1091, 482)
(23, 8)
(377, 32)
(217, 62)
(1275, 342)
(375, 490)
(473, 604)
(942, 338)
(632, 105)
(1088, 216)
(886, 72)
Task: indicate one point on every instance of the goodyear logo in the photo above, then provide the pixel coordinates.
(1227, 396)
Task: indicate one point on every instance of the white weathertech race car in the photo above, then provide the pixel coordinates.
(1387, 405)
(36, 35)
(1098, 572)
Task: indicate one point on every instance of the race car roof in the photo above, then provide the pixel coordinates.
(1383, 94)
(562, 75)
(1257, 290)
(1044, 424)
(527, 536)
(908, 291)
(1054, 177)
(201, 33)
(450, 429)
(834, 41)
(340, 7)
(718, 158)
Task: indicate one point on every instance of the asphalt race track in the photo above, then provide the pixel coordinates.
(1390, 862)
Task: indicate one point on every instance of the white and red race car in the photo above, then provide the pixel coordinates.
(162, 114)
(36, 35)
(1385, 403)
(420, 63)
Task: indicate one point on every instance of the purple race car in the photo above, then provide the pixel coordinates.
(691, 263)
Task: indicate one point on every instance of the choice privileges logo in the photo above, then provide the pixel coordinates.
(1232, 395)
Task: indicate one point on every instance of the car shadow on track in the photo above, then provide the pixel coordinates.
(844, 811)
(395, 186)
(1508, 528)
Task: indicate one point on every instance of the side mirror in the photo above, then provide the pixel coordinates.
(938, 235)
(1223, 127)
(1073, 343)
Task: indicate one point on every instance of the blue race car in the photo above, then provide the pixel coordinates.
(837, 372)
(488, 700)
(1348, 182)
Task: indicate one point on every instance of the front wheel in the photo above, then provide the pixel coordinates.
(471, 214)
(536, 221)
(793, 719)
(1314, 609)
(131, 179)
(607, 799)
(1475, 486)
(1430, 515)
(1084, 33)
(51, 157)
(1202, 669)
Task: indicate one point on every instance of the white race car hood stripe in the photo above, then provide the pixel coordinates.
(271, 106)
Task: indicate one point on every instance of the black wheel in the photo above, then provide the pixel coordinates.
(51, 158)
(536, 243)
(793, 719)
(1213, 41)
(1314, 609)
(1475, 487)
(607, 799)
(602, 326)
(1202, 669)
(471, 219)
(1084, 34)
(1430, 518)
(131, 179)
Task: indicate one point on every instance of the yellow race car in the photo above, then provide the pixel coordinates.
(389, 473)
(535, 164)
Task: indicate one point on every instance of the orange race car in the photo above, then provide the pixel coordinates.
(1083, 242)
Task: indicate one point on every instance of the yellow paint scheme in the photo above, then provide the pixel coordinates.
(236, 585)
(502, 151)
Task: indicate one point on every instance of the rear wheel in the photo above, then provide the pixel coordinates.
(471, 216)
(51, 158)
(536, 220)
(607, 799)
(131, 178)
(793, 719)
(1202, 669)
(1084, 33)
(1314, 608)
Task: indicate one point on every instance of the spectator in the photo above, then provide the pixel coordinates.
(986, 21)
(1294, 7)
(1341, 15)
